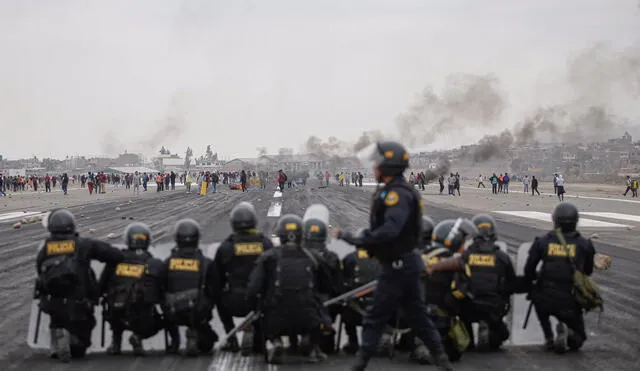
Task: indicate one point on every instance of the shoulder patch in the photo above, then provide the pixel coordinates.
(392, 198)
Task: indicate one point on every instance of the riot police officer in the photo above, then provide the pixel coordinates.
(67, 286)
(561, 251)
(234, 261)
(359, 268)
(394, 230)
(190, 285)
(491, 285)
(131, 290)
(314, 238)
(428, 226)
(288, 281)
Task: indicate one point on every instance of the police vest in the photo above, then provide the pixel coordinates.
(556, 266)
(185, 281)
(437, 285)
(295, 275)
(127, 286)
(247, 248)
(486, 278)
(410, 234)
(59, 271)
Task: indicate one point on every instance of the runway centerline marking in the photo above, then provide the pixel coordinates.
(546, 217)
(631, 218)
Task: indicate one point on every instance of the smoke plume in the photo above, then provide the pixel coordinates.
(442, 168)
(466, 101)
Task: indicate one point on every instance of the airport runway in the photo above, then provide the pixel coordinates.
(614, 344)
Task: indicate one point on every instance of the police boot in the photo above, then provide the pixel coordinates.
(442, 362)
(276, 353)
(574, 341)
(61, 344)
(560, 344)
(421, 355)
(116, 341)
(351, 347)
(247, 342)
(136, 344)
(174, 346)
(231, 345)
(192, 343)
(361, 362)
(483, 337)
(385, 347)
(316, 355)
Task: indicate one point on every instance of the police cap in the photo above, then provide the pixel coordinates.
(391, 158)
(243, 217)
(290, 228)
(137, 236)
(565, 216)
(486, 225)
(187, 233)
(315, 230)
(61, 221)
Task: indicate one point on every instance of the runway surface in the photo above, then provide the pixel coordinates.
(614, 344)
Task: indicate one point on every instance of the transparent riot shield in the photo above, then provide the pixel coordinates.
(38, 336)
(318, 212)
(520, 306)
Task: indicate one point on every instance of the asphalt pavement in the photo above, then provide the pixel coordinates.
(614, 343)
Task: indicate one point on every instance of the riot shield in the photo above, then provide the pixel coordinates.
(38, 336)
(317, 212)
(532, 335)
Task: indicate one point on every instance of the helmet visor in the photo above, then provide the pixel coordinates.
(369, 156)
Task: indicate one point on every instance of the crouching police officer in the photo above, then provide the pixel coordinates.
(562, 252)
(190, 286)
(395, 225)
(234, 261)
(289, 279)
(315, 238)
(490, 284)
(66, 285)
(131, 290)
(359, 268)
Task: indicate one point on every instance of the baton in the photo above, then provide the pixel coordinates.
(526, 318)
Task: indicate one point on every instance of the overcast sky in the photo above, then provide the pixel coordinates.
(89, 77)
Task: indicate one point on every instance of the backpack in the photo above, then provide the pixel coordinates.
(123, 299)
(295, 281)
(59, 275)
(285, 177)
(585, 291)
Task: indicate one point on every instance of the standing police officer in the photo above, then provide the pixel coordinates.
(66, 285)
(131, 290)
(234, 261)
(395, 225)
(560, 251)
(190, 285)
(289, 279)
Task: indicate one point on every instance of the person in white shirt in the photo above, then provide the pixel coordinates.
(481, 181)
(560, 187)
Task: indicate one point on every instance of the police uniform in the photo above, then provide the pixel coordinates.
(131, 289)
(491, 284)
(190, 284)
(552, 292)
(288, 280)
(394, 229)
(235, 259)
(66, 284)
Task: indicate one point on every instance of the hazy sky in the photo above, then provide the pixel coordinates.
(89, 77)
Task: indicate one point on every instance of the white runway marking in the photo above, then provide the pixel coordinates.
(18, 215)
(632, 218)
(275, 209)
(582, 223)
(277, 194)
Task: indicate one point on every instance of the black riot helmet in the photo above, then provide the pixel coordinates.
(187, 232)
(61, 221)
(243, 217)
(565, 216)
(452, 234)
(427, 229)
(390, 158)
(290, 229)
(486, 226)
(137, 236)
(315, 230)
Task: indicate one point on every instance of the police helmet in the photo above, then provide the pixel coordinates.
(486, 226)
(137, 236)
(61, 221)
(565, 216)
(290, 229)
(427, 228)
(243, 216)
(452, 234)
(391, 158)
(187, 232)
(315, 230)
